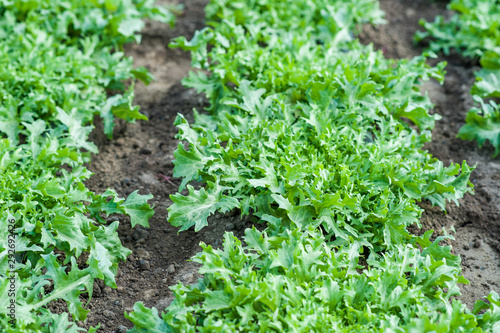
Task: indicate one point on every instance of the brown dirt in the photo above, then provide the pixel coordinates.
(141, 152)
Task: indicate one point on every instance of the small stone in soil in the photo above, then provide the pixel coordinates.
(108, 314)
(120, 289)
(121, 329)
(142, 254)
(140, 234)
(163, 303)
(143, 264)
(466, 247)
(107, 290)
(410, 12)
(171, 269)
(188, 278)
(148, 294)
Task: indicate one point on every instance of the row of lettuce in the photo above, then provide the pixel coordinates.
(319, 138)
(474, 32)
(62, 64)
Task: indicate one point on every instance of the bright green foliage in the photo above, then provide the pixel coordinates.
(135, 206)
(294, 282)
(482, 124)
(30, 282)
(474, 32)
(332, 18)
(321, 138)
(318, 168)
(59, 60)
(488, 78)
(313, 130)
(50, 75)
(113, 22)
(257, 41)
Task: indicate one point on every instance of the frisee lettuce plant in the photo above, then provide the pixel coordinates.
(315, 133)
(59, 60)
(293, 281)
(320, 138)
(474, 32)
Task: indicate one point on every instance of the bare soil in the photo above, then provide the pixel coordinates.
(140, 157)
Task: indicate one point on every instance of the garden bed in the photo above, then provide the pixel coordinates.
(140, 158)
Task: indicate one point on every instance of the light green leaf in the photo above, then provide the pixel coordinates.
(138, 209)
(194, 209)
(130, 26)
